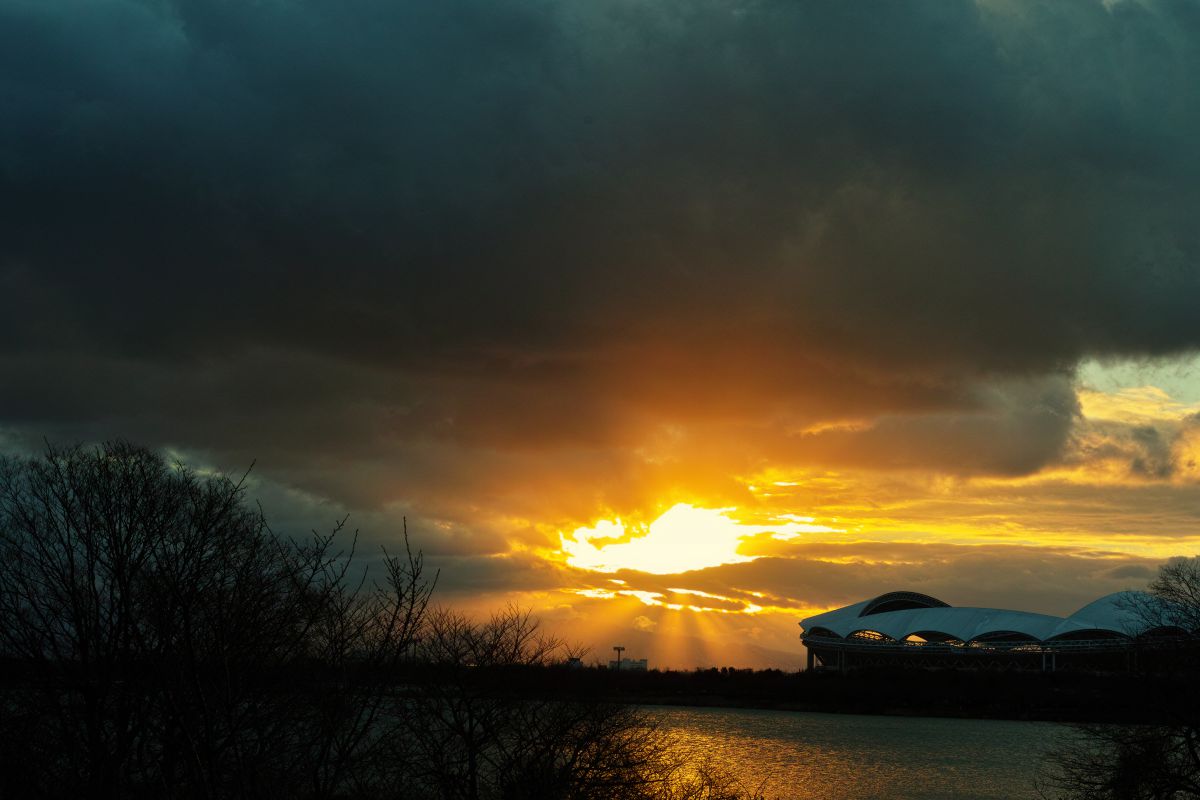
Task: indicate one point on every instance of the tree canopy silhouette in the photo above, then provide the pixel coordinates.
(161, 638)
(1159, 761)
(158, 639)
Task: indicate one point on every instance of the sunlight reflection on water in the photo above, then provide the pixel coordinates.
(847, 757)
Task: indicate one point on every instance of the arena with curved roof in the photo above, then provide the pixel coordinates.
(914, 629)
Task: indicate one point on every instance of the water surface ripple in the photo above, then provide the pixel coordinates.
(805, 756)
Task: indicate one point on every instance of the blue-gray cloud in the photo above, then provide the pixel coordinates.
(328, 231)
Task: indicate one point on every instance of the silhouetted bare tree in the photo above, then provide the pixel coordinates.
(157, 639)
(483, 732)
(1146, 762)
(487, 730)
(160, 639)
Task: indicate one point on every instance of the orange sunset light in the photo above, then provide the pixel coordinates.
(683, 538)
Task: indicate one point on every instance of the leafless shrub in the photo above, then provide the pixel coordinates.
(160, 638)
(157, 639)
(1145, 762)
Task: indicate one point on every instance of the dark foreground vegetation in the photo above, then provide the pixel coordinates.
(1059, 697)
(1159, 760)
(157, 639)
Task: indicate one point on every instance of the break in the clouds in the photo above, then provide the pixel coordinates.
(514, 266)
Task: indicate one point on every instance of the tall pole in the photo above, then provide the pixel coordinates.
(619, 650)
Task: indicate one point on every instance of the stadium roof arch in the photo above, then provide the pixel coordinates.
(898, 615)
(915, 629)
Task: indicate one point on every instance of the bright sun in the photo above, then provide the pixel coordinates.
(683, 538)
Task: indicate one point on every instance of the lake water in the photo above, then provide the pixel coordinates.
(847, 757)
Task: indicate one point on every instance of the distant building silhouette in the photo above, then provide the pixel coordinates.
(628, 664)
(916, 630)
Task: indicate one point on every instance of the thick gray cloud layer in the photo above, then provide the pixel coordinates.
(328, 233)
(920, 181)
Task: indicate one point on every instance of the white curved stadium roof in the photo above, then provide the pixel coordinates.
(898, 615)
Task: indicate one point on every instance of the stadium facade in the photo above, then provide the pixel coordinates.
(910, 629)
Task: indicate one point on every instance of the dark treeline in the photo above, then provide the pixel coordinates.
(1058, 697)
(158, 639)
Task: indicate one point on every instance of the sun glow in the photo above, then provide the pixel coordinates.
(684, 538)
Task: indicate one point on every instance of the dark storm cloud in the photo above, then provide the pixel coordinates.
(1011, 429)
(326, 232)
(1163, 451)
(379, 177)
(1156, 461)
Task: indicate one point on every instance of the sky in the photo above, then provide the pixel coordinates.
(674, 321)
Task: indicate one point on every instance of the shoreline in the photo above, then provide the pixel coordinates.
(739, 705)
(1066, 698)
